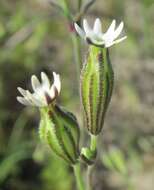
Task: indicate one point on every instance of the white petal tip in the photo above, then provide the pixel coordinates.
(97, 19)
(33, 77)
(84, 20)
(44, 77)
(76, 25)
(57, 82)
(79, 30)
(22, 101)
(42, 73)
(86, 26)
(35, 83)
(19, 88)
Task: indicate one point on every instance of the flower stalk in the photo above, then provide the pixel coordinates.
(77, 53)
(78, 177)
(79, 4)
(93, 148)
(88, 177)
(93, 143)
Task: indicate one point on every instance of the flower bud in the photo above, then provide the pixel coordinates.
(60, 130)
(88, 155)
(96, 87)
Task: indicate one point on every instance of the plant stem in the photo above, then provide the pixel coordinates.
(88, 183)
(77, 52)
(78, 176)
(79, 4)
(93, 143)
(93, 148)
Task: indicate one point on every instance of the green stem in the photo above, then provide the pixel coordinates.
(77, 52)
(93, 148)
(78, 176)
(93, 143)
(79, 4)
(88, 183)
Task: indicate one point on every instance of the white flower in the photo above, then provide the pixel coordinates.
(96, 37)
(44, 92)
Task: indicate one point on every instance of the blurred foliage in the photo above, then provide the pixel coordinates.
(61, 178)
(35, 37)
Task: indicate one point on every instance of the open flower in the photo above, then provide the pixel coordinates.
(44, 92)
(96, 37)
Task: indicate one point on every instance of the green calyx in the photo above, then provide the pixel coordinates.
(88, 155)
(96, 87)
(60, 130)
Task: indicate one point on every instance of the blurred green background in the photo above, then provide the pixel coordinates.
(35, 37)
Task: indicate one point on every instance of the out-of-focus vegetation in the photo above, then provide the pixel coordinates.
(35, 37)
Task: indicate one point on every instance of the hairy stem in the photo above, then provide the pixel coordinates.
(78, 176)
(93, 148)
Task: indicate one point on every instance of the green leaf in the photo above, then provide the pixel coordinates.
(114, 160)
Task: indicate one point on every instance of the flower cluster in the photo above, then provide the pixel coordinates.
(58, 127)
(44, 93)
(96, 37)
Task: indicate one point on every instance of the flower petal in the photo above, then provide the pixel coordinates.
(33, 98)
(109, 44)
(52, 92)
(22, 91)
(120, 40)
(45, 80)
(57, 82)
(79, 31)
(86, 27)
(97, 26)
(23, 101)
(111, 29)
(118, 30)
(35, 83)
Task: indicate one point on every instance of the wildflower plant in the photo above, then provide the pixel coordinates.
(58, 127)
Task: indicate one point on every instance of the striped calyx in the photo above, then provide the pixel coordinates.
(96, 87)
(60, 130)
